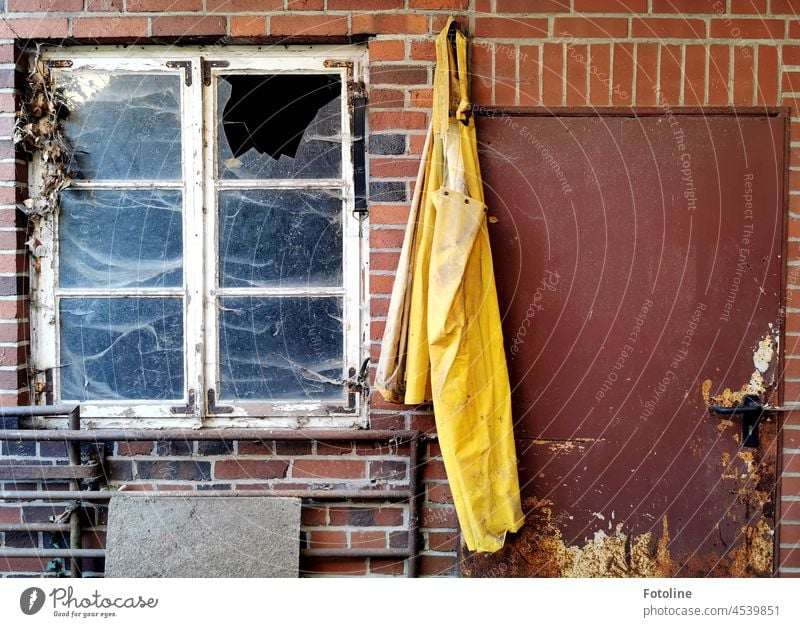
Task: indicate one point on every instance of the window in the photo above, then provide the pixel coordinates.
(206, 260)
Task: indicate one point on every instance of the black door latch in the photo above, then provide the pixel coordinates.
(751, 412)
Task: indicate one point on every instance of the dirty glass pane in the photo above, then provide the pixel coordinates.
(285, 237)
(280, 348)
(116, 239)
(279, 126)
(121, 348)
(123, 126)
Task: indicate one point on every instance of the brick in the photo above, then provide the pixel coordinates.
(44, 6)
(386, 238)
(215, 447)
(387, 50)
(160, 6)
(389, 214)
(242, 6)
(532, 6)
(599, 74)
(670, 75)
(438, 5)
(754, 7)
(166, 470)
(529, 71)
(327, 539)
(387, 191)
(381, 120)
(437, 565)
(366, 516)
(29, 28)
(505, 74)
(791, 437)
(328, 469)
(694, 76)
(439, 493)
(305, 5)
(791, 463)
(134, 448)
(791, 7)
(718, 90)
(768, 71)
(790, 486)
(388, 470)
(338, 566)
(334, 448)
(248, 26)
(313, 515)
(482, 72)
(104, 6)
(743, 75)
(386, 567)
(746, 29)
(109, 27)
(513, 28)
(380, 23)
(387, 144)
(398, 74)
(609, 6)
(789, 534)
(188, 26)
(368, 539)
(442, 541)
(250, 469)
(622, 75)
(10, 514)
(171, 448)
(382, 98)
(307, 25)
(794, 29)
(377, 260)
(552, 74)
(577, 58)
(667, 28)
(585, 27)
(686, 6)
(364, 5)
(789, 557)
(423, 50)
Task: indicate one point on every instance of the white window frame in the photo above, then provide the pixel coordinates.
(200, 186)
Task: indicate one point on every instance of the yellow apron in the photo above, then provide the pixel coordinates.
(443, 340)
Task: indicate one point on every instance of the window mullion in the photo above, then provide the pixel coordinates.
(194, 257)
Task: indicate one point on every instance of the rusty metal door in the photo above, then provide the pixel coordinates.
(638, 262)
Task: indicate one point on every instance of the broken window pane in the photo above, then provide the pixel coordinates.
(121, 348)
(123, 126)
(281, 348)
(279, 126)
(116, 239)
(285, 237)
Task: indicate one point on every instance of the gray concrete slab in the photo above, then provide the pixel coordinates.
(203, 537)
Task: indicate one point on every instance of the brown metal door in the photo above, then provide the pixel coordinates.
(636, 258)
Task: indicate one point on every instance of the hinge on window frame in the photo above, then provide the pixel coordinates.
(357, 383)
(186, 409)
(213, 408)
(187, 68)
(205, 67)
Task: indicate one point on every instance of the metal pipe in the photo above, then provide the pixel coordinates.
(413, 507)
(72, 554)
(74, 452)
(33, 527)
(171, 435)
(37, 410)
(319, 495)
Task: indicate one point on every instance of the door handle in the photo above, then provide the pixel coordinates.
(751, 412)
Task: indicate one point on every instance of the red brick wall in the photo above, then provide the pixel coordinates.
(525, 52)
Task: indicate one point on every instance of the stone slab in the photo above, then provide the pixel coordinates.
(203, 537)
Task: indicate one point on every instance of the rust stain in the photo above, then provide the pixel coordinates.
(539, 550)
